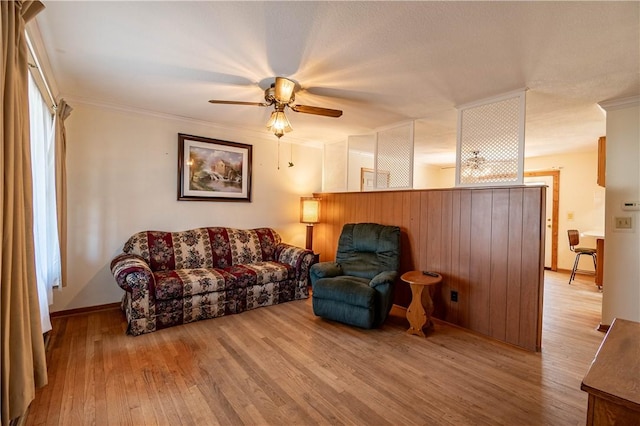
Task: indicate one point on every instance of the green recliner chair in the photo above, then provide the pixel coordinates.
(357, 288)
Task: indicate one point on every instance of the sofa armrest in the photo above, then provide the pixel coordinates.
(297, 257)
(325, 270)
(132, 273)
(384, 277)
(291, 255)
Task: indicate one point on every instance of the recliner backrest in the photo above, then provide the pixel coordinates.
(366, 249)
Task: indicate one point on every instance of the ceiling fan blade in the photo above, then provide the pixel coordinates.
(284, 90)
(215, 101)
(317, 110)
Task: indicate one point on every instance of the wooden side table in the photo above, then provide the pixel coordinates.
(417, 315)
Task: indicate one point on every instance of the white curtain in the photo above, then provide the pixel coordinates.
(45, 226)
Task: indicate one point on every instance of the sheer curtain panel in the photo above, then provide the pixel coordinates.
(45, 224)
(23, 366)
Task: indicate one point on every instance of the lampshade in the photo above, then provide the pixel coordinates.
(309, 210)
(279, 123)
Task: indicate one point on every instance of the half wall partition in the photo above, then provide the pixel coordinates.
(488, 244)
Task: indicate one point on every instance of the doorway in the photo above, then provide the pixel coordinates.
(550, 178)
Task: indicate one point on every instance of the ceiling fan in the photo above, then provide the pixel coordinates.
(281, 94)
(475, 162)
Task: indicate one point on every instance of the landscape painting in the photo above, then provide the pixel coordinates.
(213, 170)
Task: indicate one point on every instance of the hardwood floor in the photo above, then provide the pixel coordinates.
(282, 365)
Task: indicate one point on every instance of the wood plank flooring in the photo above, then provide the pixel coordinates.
(282, 365)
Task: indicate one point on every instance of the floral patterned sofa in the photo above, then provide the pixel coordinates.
(173, 278)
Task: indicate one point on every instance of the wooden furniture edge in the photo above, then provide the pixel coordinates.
(593, 392)
(603, 355)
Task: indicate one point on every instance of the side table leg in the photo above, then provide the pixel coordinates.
(427, 302)
(416, 314)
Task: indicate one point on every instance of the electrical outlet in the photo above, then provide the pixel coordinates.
(623, 223)
(569, 215)
(454, 296)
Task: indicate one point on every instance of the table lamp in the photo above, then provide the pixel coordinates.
(309, 214)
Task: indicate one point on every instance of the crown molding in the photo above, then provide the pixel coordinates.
(247, 133)
(614, 104)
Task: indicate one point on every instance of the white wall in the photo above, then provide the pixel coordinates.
(122, 178)
(426, 176)
(621, 286)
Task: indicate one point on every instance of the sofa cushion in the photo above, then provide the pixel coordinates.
(245, 246)
(214, 247)
(190, 282)
(262, 272)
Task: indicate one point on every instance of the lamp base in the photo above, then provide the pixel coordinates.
(309, 237)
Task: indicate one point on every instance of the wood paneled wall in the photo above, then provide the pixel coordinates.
(488, 244)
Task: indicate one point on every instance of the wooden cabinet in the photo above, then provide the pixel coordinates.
(602, 160)
(612, 380)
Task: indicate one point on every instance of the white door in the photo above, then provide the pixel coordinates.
(548, 181)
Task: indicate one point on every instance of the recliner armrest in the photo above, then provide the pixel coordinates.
(325, 270)
(384, 277)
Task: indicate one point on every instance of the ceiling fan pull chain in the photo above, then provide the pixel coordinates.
(290, 155)
(278, 153)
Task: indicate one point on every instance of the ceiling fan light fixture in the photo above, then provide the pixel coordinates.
(279, 133)
(279, 123)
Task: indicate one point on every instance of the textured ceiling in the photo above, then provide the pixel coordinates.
(380, 62)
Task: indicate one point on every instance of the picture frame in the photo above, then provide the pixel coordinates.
(368, 179)
(213, 169)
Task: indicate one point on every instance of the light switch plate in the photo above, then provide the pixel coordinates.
(625, 222)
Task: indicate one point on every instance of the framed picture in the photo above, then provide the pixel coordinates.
(213, 170)
(368, 179)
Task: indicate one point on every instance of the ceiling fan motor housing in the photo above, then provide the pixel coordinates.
(270, 96)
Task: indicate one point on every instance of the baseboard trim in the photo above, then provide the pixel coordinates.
(584, 272)
(603, 327)
(79, 311)
(399, 307)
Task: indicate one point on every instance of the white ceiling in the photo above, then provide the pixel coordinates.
(380, 62)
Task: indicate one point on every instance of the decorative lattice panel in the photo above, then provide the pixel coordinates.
(334, 177)
(490, 142)
(394, 158)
